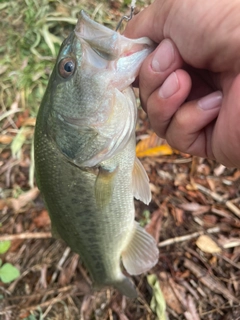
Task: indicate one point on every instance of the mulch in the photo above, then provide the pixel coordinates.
(194, 216)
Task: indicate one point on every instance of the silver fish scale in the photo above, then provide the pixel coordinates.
(98, 236)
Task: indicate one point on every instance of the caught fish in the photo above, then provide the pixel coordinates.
(86, 167)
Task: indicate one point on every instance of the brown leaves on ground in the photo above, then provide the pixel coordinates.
(194, 216)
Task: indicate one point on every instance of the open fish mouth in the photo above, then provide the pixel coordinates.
(107, 49)
(106, 42)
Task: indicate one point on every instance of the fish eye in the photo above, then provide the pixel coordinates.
(66, 67)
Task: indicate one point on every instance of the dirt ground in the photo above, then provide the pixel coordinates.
(194, 216)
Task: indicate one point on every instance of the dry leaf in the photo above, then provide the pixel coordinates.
(152, 147)
(170, 297)
(178, 215)
(23, 199)
(154, 226)
(163, 150)
(29, 122)
(42, 219)
(6, 139)
(206, 244)
(3, 204)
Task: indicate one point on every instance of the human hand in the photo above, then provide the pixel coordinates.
(190, 85)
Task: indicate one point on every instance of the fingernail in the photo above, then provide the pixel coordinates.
(169, 87)
(163, 57)
(211, 101)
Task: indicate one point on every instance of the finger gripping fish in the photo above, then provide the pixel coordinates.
(86, 166)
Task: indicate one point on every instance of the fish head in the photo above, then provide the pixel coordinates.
(93, 62)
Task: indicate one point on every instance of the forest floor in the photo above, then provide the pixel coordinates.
(194, 214)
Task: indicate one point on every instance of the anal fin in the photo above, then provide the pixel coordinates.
(140, 182)
(142, 252)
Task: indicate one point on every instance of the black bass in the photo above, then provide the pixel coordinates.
(86, 166)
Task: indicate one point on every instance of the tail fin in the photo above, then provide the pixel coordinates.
(126, 287)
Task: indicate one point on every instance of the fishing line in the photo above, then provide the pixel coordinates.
(127, 18)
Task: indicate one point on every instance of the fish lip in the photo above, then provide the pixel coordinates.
(103, 39)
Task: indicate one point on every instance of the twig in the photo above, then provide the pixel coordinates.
(231, 244)
(27, 235)
(43, 292)
(60, 263)
(63, 293)
(209, 281)
(229, 204)
(187, 237)
(46, 303)
(181, 160)
(229, 261)
(214, 195)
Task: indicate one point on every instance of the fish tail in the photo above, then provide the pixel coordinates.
(126, 287)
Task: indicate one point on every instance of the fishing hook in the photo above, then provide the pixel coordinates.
(126, 18)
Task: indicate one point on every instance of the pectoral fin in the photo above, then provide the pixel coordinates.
(141, 189)
(141, 253)
(104, 186)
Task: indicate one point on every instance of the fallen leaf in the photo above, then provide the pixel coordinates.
(23, 199)
(42, 219)
(180, 179)
(19, 140)
(8, 273)
(29, 122)
(170, 297)
(152, 147)
(154, 226)
(158, 304)
(4, 246)
(178, 215)
(3, 204)
(6, 139)
(163, 150)
(206, 244)
(210, 220)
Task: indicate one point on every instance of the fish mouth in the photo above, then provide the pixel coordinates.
(107, 49)
(107, 43)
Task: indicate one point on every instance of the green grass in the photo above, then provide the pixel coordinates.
(31, 41)
(32, 33)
